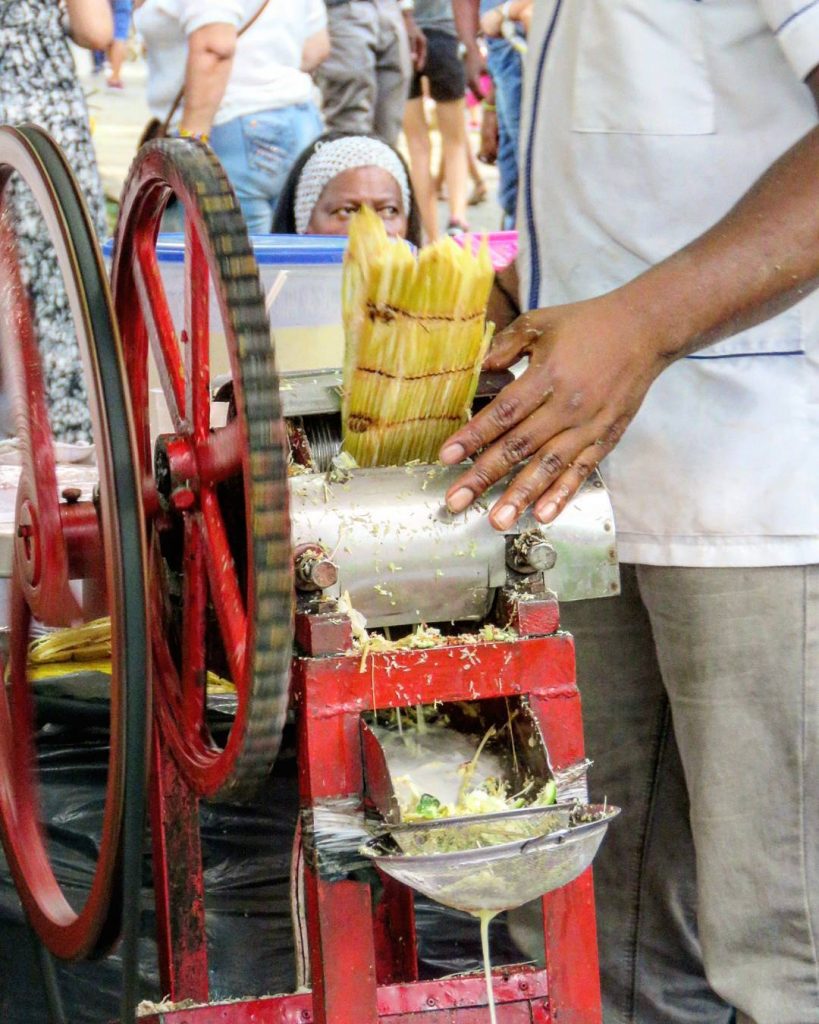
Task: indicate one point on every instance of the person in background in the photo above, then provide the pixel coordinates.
(249, 94)
(475, 111)
(338, 174)
(38, 83)
(119, 45)
(668, 255)
(504, 61)
(374, 45)
(97, 61)
(444, 76)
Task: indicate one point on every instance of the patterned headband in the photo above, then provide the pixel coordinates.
(332, 158)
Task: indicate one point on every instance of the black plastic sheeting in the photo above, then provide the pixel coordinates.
(246, 854)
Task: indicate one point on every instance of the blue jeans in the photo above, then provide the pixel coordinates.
(504, 65)
(122, 19)
(257, 152)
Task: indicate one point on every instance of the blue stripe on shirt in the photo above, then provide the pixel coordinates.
(795, 15)
(534, 284)
(748, 355)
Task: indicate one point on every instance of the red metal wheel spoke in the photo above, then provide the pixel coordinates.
(219, 456)
(159, 324)
(37, 486)
(18, 689)
(225, 592)
(193, 668)
(197, 325)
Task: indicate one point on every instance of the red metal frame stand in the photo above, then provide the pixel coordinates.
(363, 958)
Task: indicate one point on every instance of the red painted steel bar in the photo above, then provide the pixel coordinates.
(179, 889)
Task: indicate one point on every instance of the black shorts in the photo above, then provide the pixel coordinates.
(444, 69)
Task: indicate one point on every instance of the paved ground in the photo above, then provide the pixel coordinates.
(120, 115)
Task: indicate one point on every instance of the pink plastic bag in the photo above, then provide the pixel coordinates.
(503, 246)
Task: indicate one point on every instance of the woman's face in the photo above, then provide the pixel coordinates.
(348, 192)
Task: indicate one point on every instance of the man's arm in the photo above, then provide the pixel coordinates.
(466, 14)
(316, 50)
(416, 38)
(591, 363)
(511, 10)
(210, 58)
(90, 23)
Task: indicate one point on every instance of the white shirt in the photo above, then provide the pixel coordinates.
(265, 74)
(644, 122)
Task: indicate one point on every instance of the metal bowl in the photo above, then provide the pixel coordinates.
(469, 831)
(499, 877)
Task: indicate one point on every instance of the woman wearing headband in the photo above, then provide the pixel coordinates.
(337, 175)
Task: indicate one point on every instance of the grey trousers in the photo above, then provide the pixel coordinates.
(365, 80)
(700, 693)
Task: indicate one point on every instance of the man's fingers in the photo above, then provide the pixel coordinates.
(553, 501)
(553, 474)
(512, 405)
(506, 348)
(549, 505)
(506, 454)
(544, 468)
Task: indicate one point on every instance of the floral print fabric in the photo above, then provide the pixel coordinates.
(39, 84)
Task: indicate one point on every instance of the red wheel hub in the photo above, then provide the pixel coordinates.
(27, 546)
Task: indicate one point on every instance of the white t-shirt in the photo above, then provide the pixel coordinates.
(265, 73)
(643, 123)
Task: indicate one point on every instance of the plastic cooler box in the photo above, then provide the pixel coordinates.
(301, 280)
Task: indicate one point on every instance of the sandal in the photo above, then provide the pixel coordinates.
(479, 194)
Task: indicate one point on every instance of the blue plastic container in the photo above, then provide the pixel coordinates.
(301, 278)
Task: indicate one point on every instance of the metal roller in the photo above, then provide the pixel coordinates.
(404, 559)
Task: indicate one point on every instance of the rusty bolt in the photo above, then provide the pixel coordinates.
(541, 555)
(72, 495)
(315, 571)
(531, 552)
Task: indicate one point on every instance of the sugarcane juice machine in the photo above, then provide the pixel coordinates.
(198, 538)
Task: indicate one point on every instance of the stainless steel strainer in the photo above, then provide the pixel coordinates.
(494, 877)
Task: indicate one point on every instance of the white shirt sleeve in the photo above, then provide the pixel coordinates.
(193, 14)
(316, 17)
(795, 23)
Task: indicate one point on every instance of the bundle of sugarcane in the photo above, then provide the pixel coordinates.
(415, 339)
(86, 648)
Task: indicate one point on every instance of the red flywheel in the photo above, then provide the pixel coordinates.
(215, 490)
(99, 539)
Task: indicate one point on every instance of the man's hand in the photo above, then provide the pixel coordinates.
(590, 366)
(591, 363)
(474, 66)
(417, 42)
(515, 10)
(489, 137)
